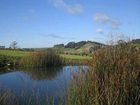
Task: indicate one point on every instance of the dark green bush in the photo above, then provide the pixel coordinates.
(5, 60)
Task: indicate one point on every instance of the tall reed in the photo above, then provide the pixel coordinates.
(42, 59)
(9, 97)
(114, 78)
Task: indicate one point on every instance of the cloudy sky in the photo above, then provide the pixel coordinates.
(43, 23)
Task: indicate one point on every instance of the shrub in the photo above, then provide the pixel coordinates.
(5, 60)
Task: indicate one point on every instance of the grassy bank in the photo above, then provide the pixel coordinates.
(11, 57)
(16, 58)
(75, 57)
(14, 53)
(113, 79)
(6, 61)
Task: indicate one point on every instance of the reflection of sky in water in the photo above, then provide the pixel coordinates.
(39, 82)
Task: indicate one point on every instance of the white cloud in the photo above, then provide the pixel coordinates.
(100, 31)
(106, 20)
(73, 9)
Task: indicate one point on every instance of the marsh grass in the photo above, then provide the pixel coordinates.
(114, 78)
(8, 97)
(42, 59)
(48, 59)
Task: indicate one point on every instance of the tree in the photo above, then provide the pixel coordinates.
(13, 45)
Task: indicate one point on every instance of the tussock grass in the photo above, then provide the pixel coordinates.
(114, 78)
(42, 59)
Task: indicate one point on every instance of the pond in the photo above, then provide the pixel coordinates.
(36, 86)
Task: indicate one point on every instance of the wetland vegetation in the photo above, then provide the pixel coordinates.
(69, 52)
(111, 71)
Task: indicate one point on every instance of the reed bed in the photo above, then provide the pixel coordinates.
(8, 97)
(42, 59)
(113, 78)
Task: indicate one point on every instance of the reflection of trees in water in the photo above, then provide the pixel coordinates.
(6, 70)
(3, 71)
(43, 73)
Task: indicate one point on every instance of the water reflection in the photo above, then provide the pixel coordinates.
(40, 83)
(5, 70)
(43, 73)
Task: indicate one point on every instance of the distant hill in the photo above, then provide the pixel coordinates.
(136, 42)
(59, 46)
(79, 47)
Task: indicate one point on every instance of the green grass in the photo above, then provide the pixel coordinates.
(69, 59)
(137, 45)
(15, 57)
(11, 57)
(75, 57)
(13, 53)
(23, 54)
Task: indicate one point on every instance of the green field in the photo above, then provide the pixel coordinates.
(13, 53)
(137, 45)
(74, 57)
(16, 57)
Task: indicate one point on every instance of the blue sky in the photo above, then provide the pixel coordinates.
(43, 23)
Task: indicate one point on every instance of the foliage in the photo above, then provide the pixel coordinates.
(59, 46)
(11, 58)
(13, 45)
(8, 61)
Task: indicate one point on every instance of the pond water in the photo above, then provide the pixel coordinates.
(37, 86)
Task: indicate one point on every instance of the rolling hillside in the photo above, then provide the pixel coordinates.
(79, 47)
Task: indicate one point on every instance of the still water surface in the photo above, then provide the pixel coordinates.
(41, 85)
